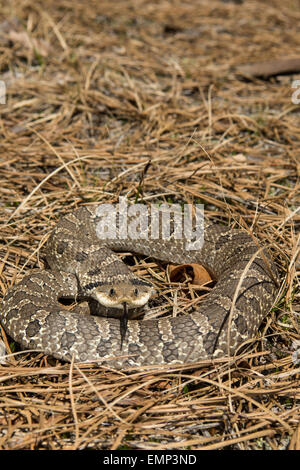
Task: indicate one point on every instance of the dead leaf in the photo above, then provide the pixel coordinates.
(196, 272)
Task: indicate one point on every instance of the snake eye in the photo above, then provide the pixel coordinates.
(136, 292)
(112, 292)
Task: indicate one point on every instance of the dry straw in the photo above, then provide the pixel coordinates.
(133, 99)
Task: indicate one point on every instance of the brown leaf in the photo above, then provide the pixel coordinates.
(197, 272)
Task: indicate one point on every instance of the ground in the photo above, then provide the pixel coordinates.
(145, 99)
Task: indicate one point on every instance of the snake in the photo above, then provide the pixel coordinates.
(80, 265)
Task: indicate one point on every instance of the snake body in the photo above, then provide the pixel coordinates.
(80, 264)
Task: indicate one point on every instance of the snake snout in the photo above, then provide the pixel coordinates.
(116, 295)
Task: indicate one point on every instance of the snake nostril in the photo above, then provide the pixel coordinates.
(136, 292)
(112, 292)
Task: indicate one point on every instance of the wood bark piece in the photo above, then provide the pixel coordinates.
(270, 68)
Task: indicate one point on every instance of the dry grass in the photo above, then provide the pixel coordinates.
(95, 92)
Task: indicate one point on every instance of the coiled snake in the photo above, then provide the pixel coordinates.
(82, 266)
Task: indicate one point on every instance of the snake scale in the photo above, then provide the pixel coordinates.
(82, 266)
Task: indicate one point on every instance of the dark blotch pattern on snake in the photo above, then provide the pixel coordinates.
(81, 265)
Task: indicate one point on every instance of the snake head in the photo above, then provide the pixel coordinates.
(125, 295)
(133, 292)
